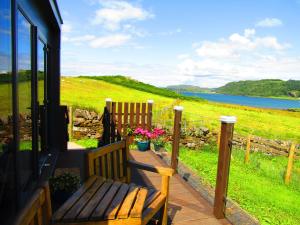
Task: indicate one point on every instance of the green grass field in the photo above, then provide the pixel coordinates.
(275, 124)
(258, 187)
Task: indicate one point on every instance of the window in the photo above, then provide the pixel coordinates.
(26, 103)
(7, 172)
(5, 77)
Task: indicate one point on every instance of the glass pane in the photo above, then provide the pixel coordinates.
(24, 87)
(7, 187)
(41, 96)
(41, 72)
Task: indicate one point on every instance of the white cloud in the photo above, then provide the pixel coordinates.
(110, 41)
(157, 74)
(78, 39)
(236, 44)
(183, 56)
(114, 12)
(239, 57)
(66, 27)
(129, 28)
(269, 22)
(171, 32)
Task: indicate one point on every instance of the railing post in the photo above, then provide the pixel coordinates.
(70, 122)
(149, 114)
(176, 137)
(227, 127)
(248, 148)
(108, 102)
(290, 164)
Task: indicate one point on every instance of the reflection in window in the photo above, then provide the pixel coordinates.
(24, 78)
(41, 96)
(41, 72)
(7, 185)
(24, 87)
(5, 77)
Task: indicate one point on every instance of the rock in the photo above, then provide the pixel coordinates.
(94, 115)
(78, 113)
(191, 145)
(204, 130)
(78, 121)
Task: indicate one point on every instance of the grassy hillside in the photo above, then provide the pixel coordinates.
(267, 123)
(263, 88)
(188, 88)
(137, 85)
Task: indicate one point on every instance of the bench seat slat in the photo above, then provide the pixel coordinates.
(128, 202)
(117, 202)
(138, 206)
(58, 215)
(83, 201)
(105, 202)
(93, 203)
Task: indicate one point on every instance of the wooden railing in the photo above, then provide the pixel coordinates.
(119, 116)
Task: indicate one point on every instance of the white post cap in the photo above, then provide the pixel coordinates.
(228, 119)
(108, 100)
(178, 108)
(150, 101)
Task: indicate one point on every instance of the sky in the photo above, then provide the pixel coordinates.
(168, 42)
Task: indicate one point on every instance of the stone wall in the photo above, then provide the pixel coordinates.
(86, 124)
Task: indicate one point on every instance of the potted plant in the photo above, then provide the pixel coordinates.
(158, 138)
(63, 186)
(142, 138)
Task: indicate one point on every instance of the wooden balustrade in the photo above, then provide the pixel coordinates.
(227, 127)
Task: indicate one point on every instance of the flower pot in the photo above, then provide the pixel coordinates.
(157, 147)
(143, 145)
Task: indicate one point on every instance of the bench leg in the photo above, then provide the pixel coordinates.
(165, 191)
(164, 219)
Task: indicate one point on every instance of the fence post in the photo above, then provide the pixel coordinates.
(227, 127)
(218, 139)
(248, 148)
(108, 102)
(70, 122)
(176, 137)
(290, 164)
(149, 114)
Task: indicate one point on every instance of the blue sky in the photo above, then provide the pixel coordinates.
(204, 43)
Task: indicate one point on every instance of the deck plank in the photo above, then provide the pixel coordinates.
(186, 205)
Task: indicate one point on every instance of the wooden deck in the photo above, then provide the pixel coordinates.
(186, 206)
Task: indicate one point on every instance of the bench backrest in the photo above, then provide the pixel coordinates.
(38, 210)
(109, 161)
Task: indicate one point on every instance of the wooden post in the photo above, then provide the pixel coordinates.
(248, 148)
(290, 164)
(227, 126)
(108, 102)
(218, 140)
(149, 114)
(70, 123)
(176, 137)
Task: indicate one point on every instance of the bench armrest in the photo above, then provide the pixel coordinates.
(164, 171)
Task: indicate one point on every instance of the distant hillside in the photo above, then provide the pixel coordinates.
(189, 88)
(137, 85)
(263, 88)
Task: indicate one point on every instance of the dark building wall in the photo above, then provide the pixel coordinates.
(21, 166)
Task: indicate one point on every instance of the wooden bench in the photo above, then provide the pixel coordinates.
(38, 209)
(108, 197)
